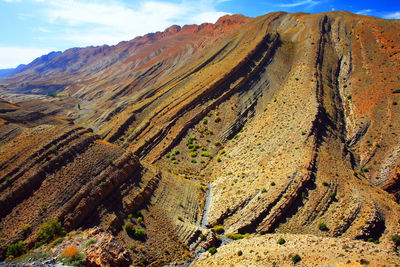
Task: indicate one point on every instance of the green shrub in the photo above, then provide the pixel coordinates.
(167, 156)
(217, 119)
(202, 236)
(212, 250)
(217, 143)
(110, 161)
(194, 161)
(264, 190)
(332, 195)
(25, 228)
(205, 121)
(325, 183)
(281, 241)
(16, 249)
(172, 158)
(322, 226)
(303, 133)
(130, 216)
(206, 154)
(128, 227)
(397, 91)
(140, 219)
(219, 229)
(43, 207)
(48, 231)
(139, 233)
(193, 154)
(176, 152)
(237, 236)
(296, 258)
(53, 149)
(219, 160)
(102, 184)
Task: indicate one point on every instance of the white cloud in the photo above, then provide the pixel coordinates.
(364, 12)
(108, 22)
(394, 15)
(308, 3)
(11, 57)
(42, 29)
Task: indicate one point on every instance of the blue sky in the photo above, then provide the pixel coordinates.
(31, 28)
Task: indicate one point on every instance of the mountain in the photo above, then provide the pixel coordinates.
(281, 131)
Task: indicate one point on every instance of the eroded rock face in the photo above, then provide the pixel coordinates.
(107, 251)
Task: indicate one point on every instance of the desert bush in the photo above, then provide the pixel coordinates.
(219, 229)
(296, 258)
(139, 233)
(212, 250)
(281, 241)
(25, 228)
(237, 236)
(202, 236)
(193, 154)
(48, 231)
(128, 227)
(16, 249)
(72, 256)
(264, 190)
(322, 226)
(206, 154)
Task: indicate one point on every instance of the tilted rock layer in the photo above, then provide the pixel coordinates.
(291, 118)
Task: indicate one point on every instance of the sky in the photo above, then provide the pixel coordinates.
(31, 28)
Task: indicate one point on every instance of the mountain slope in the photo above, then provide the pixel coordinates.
(291, 118)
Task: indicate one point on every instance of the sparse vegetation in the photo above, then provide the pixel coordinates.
(16, 249)
(71, 256)
(212, 250)
(264, 190)
(281, 241)
(237, 236)
(206, 154)
(48, 231)
(202, 236)
(139, 233)
(296, 258)
(219, 229)
(128, 227)
(322, 226)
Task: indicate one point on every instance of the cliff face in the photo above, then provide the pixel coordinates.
(291, 118)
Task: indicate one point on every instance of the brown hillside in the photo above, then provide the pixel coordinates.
(292, 119)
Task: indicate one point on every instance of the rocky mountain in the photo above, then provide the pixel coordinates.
(280, 130)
